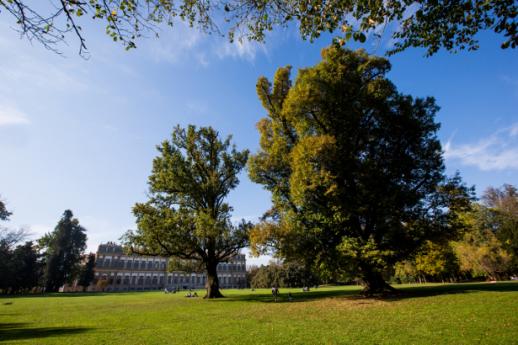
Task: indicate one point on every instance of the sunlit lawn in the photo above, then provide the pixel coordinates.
(432, 314)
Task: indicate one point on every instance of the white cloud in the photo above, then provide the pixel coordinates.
(175, 44)
(183, 43)
(12, 116)
(499, 151)
(243, 49)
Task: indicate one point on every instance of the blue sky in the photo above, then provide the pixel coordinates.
(80, 134)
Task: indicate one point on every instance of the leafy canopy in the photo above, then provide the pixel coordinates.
(433, 25)
(186, 216)
(354, 167)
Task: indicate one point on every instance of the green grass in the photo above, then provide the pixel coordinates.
(432, 314)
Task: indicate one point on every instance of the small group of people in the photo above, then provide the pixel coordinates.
(192, 294)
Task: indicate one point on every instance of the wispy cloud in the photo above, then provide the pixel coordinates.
(243, 49)
(499, 151)
(183, 43)
(11, 116)
(174, 45)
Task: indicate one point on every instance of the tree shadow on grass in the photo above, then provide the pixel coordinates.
(297, 296)
(449, 289)
(404, 292)
(22, 331)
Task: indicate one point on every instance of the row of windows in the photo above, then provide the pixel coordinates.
(150, 265)
(170, 280)
(131, 264)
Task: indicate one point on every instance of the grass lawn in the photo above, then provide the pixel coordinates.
(476, 313)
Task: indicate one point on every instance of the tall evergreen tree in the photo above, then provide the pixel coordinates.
(86, 274)
(186, 217)
(354, 167)
(64, 247)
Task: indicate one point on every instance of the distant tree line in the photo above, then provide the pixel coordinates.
(486, 247)
(284, 275)
(47, 264)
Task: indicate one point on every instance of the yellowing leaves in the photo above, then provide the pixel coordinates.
(311, 159)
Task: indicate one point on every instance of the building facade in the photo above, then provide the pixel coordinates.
(122, 272)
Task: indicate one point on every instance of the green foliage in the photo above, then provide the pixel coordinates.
(502, 217)
(354, 168)
(63, 250)
(86, 273)
(286, 275)
(480, 252)
(432, 262)
(4, 214)
(451, 25)
(20, 268)
(186, 217)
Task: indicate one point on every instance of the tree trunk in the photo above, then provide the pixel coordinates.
(373, 282)
(212, 284)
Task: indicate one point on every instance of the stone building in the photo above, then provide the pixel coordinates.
(124, 272)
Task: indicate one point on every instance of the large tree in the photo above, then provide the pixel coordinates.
(451, 25)
(186, 217)
(63, 251)
(354, 167)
